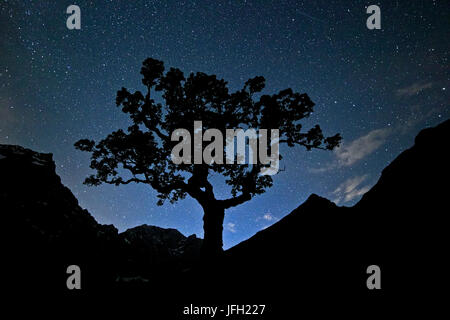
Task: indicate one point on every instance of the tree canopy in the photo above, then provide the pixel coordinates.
(144, 149)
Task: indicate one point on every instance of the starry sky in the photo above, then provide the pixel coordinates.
(378, 88)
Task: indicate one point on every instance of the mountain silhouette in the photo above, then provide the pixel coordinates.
(316, 255)
(322, 251)
(48, 230)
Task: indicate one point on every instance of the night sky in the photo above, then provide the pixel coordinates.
(378, 88)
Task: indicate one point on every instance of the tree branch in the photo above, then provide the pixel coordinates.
(308, 146)
(119, 180)
(235, 201)
(156, 130)
(155, 184)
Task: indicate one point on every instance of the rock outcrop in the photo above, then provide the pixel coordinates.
(322, 251)
(47, 230)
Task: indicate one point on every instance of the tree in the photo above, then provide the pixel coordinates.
(142, 154)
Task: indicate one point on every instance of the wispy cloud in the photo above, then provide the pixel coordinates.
(354, 151)
(350, 189)
(327, 167)
(413, 89)
(231, 227)
(268, 218)
(349, 153)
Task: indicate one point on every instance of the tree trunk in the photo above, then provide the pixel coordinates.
(212, 226)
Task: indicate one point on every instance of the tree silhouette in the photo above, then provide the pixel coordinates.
(142, 154)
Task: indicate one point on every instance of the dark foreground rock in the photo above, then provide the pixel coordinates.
(47, 230)
(314, 258)
(321, 251)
